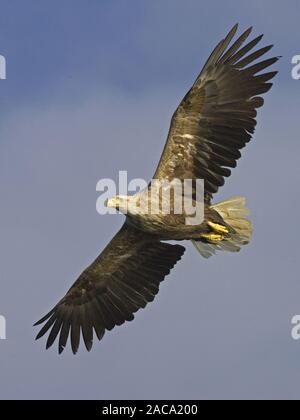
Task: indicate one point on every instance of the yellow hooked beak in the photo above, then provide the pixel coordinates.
(117, 202)
(113, 202)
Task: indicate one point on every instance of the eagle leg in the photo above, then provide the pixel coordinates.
(217, 228)
(213, 237)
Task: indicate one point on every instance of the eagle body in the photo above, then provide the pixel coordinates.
(166, 225)
(212, 124)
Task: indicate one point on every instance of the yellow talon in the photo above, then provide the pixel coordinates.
(212, 236)
(218, 228)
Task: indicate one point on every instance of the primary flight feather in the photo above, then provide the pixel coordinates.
(213, 122)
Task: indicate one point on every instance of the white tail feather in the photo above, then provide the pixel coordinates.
(234, 213)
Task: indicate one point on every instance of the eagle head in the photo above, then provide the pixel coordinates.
(119, 202)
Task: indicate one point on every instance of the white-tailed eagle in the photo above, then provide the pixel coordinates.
(213, 122)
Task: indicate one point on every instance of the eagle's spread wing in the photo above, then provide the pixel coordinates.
(123, 279)
(216, 118)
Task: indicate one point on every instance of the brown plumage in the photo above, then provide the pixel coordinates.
(213, 122)
(216, 118)
(123, 279)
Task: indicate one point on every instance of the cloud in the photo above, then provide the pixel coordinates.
(218, 328)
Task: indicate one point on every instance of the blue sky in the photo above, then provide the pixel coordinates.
(90, 90)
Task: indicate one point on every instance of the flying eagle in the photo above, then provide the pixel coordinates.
(213, 122)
